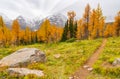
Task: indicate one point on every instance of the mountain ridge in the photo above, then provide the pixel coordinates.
(34, 24)
(58, 19)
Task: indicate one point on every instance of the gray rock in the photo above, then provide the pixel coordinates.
(23, 57)
(90, 69)
(71, 78)
(116, 62)
(24, 71)
(85, 66)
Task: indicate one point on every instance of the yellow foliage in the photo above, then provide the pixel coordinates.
(15, 32)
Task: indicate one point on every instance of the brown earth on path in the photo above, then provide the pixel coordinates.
(84, 71)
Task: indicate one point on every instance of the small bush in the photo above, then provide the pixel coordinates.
(111, 60)
(38, 66)
(71, 40)
(31, 76)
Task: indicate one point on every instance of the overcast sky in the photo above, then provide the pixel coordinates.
(33, 8)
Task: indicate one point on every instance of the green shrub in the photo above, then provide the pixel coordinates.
(111, 60)
(30, 76)
(38, 66)
(71, 40)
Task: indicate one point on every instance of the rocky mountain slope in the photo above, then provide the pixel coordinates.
(34, 24)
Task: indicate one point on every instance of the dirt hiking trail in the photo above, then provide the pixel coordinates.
(85, 70)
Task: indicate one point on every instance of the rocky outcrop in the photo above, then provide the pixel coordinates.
(24, 72)
(116, 62)
(23, 57)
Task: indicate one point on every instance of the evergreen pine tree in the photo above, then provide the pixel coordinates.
(75, 30)
(65, 32)
(71, 29)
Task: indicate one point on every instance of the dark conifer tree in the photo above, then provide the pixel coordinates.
(71, 29)
(65, 32)
(75, 29)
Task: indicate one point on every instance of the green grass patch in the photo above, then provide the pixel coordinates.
(73, 55)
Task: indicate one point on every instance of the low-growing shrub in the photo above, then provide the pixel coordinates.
(39, 66)
(71, 40)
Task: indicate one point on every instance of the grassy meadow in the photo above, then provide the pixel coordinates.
(73, 55)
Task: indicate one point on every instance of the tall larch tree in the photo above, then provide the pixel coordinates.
(5, 35)
(27, 36)
(59, 33)
(1, 36)
(1, 31)
(99, 21)
(34, 36)
(92, 25)
(55, 35)
(117, 24)
(80, 30)
(21, 36)
(108, 31)
(15, 32)
(44, 31)
(86, 19)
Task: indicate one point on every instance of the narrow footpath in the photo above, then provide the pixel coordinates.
(84, 71)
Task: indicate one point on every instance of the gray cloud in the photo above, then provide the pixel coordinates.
(32, 8)
(34, 3)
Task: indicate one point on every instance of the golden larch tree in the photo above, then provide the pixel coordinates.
(108, 31)
(86, 19)
(44, 31)
(15, 32)
(99, 22)
(117, 24)
(80, 30)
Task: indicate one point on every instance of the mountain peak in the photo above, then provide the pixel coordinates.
(20, 17)
(7, 21)
(57, 19)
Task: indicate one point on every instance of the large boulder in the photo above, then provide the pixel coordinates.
(116, 62)
(24, 72)
(23, 57)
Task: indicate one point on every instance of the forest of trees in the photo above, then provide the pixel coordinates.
(16, 36)
(91, 26)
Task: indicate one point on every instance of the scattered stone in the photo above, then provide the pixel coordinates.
(57, 56)
(77, 40)
(24, 72)
(116, 62)
(22, 57)
(70, 77)
(90, 69)
(85, 66)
